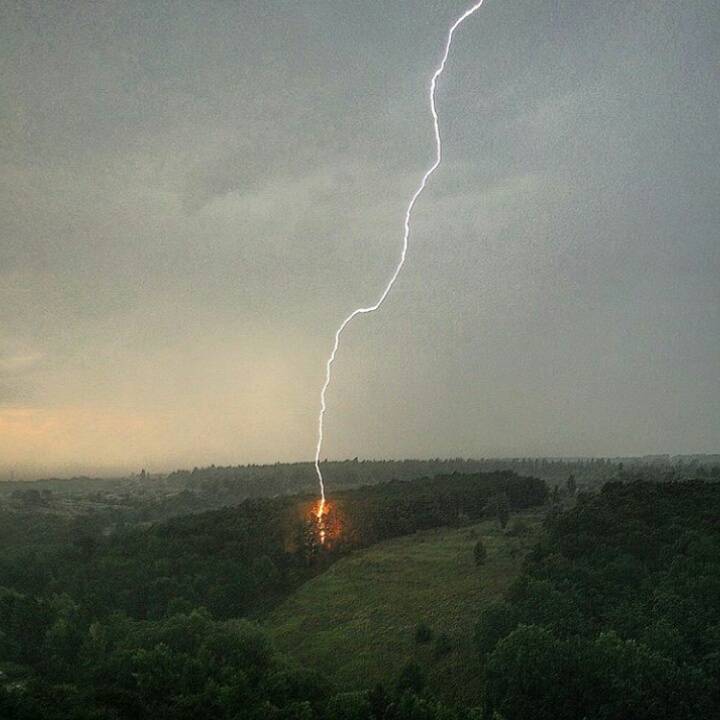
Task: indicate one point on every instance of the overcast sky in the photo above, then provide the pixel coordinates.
(193, 195)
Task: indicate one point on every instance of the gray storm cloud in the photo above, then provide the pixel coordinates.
(193, 198)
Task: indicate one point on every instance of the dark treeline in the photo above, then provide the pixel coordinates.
(617, 614)
(367, 515)
(283, 478)
(149, 498)
(300, 477)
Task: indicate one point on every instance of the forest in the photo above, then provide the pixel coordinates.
(145, 497)
(615, 613)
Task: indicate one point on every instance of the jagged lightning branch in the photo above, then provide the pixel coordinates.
(403, 254)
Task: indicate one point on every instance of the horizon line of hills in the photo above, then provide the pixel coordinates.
(529, 461)
(150, 498)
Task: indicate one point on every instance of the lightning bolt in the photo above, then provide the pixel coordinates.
(403, 254)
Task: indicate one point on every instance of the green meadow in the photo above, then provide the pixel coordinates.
(357, 622)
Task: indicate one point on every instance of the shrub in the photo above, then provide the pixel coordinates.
(519, 528)
(442, 645)
(479, 552)
(423, 633)
(411, 678)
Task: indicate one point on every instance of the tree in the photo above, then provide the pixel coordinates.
(526, 676)
(519, 528)
(538, 602)
(479, 553)
(308, 540)
(349, 706)
(379, 701)
(495, 621)
(571, 485)
(64, 637)
(411, 678)
(442, 645)
(555, 495)
(423, 633)
(291, 685)
(499, 505)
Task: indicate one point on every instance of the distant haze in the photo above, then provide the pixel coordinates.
(193, 195)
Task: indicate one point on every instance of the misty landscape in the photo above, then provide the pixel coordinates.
(359, 360)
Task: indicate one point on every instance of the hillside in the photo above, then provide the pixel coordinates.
(613, 613)
(356, 622)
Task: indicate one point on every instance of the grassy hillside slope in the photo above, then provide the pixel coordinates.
(356, 622)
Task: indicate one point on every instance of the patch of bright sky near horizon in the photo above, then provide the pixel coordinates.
(192, 198)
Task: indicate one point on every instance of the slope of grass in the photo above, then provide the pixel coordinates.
(356, 622)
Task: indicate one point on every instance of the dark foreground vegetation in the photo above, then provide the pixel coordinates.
(616, 614)
(145, 622)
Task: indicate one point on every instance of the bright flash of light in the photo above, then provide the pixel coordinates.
(403, 254)
(321, 513)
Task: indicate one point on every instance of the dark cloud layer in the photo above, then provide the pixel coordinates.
(193, 196)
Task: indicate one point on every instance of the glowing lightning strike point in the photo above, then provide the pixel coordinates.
(403, 254)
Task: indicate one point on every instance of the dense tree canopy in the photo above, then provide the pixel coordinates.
(617, 614)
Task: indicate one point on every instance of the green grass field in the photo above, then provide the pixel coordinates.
(356, 622)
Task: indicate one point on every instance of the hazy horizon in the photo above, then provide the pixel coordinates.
(100, 472)
(193, 198)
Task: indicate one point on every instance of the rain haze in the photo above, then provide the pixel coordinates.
(195, 195)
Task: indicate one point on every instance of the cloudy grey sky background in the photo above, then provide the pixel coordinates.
(193, 195)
